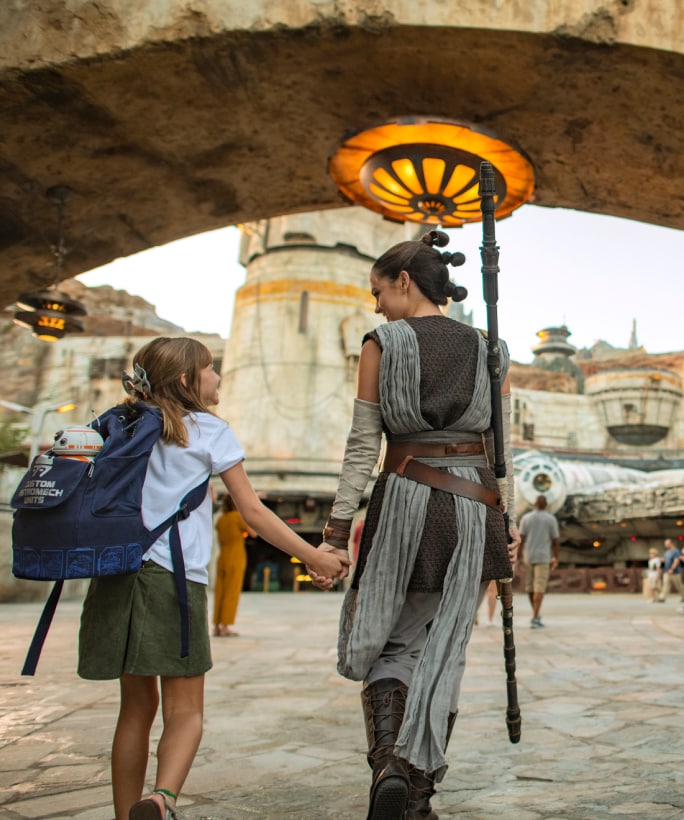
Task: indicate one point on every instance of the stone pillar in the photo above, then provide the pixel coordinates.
(289, 368)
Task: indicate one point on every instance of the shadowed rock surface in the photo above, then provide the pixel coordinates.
(166, 121)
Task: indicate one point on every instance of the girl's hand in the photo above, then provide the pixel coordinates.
(331, 565)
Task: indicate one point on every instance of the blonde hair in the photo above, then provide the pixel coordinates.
(173, 368)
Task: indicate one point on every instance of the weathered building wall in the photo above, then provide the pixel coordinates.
(542, 419)
(575, 421)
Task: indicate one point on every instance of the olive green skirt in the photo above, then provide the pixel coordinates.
(131, 623)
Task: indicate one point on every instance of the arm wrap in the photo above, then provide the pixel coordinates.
(360, 457)
(336, 532)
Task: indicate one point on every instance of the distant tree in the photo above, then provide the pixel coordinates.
(12, 436)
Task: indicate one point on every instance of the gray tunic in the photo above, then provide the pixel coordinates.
(372, 605)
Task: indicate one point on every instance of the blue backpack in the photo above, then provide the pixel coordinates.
(83, 519)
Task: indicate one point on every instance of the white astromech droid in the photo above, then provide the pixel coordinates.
(80, 442)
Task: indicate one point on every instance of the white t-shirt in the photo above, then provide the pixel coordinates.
(654, 564)
(172, 472)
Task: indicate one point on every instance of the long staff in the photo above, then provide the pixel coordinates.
(489, 253)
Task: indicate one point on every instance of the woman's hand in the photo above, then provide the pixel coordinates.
(320, 577)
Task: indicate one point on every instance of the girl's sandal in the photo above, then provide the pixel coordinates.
(148, 809)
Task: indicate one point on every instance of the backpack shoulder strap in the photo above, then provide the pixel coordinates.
(42, 628)
(190, 502)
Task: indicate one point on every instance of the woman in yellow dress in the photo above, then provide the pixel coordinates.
(230, 567)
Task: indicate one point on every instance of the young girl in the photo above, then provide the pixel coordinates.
(130, 627)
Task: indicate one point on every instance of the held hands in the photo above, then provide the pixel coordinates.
(335, 538)
(323, 577)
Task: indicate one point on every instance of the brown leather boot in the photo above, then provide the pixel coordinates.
(422, 789)
(423, 786)
(384, 702)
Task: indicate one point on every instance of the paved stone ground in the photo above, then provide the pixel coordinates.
(601, 691)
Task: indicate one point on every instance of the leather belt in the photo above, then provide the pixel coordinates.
(398, 450)
(408, 467)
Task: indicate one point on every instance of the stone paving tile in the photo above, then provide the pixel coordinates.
(600, 691)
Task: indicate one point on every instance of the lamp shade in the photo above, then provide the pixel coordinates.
(421, 169)
(49, 314)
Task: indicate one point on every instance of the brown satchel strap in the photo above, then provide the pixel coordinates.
(440, 480)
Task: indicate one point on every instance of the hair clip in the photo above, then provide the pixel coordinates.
(137, 383)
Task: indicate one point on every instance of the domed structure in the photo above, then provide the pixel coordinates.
(554, 342)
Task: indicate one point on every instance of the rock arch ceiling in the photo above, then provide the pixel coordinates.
(169, 139)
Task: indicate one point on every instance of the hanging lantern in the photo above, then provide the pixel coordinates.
(49, 314)
(421, 169)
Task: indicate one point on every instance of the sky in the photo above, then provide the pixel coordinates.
(594, 274)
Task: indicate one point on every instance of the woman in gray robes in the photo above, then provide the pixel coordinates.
(434, 534)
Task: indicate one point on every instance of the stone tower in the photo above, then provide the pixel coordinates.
(289, 366)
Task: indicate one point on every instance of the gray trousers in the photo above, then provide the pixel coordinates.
(400, 654)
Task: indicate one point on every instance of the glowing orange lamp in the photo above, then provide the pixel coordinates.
(421, 169)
